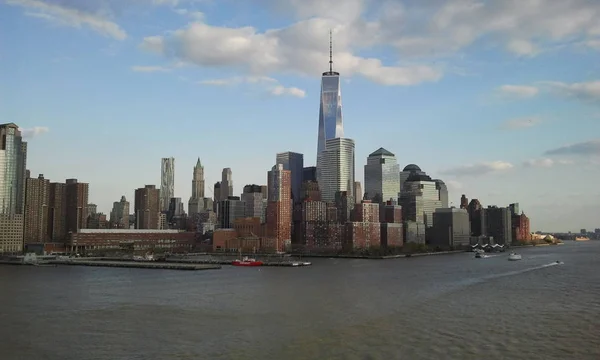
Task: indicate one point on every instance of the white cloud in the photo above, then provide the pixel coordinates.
(521, 123)
(479, 168)
(72, 16)
(522, 47)
(292, 91)
(454, 185)
(150, 69)
(586, 148)
(587, 91)
(301, 48)
(546, 162)
(268, 83)
(34, 131)
(522, 91)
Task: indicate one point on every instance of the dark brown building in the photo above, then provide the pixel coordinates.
(147, 208)
(77, 205)
(36, 210)
(520, 228)
(95, 240)
(57, 212)
(279, 207)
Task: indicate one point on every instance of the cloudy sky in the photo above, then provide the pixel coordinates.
(499, 98)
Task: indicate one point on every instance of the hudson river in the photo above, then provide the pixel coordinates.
(433, 307)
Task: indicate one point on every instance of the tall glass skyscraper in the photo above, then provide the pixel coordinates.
(331, 125)
(382, 176)
(167, 182)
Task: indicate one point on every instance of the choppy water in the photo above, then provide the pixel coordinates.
(437, 307)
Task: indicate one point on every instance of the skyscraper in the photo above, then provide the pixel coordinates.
(167, 182)
(226, 184)
(331, 124)
(337, 168)
(293, 162)
(76, 194)
(13, 157)
(442, 192)
(146, 207)
(279, 207)
(382, 176)
(197, 202)
(36, 210)
(119, 215)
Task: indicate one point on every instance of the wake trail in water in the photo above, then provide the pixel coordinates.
(521, 271)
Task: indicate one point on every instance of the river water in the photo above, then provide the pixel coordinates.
(433, 307)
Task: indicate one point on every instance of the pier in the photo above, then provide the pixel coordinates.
(137, 264)
(228, 262)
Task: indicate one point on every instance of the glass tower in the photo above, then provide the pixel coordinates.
(331, 124)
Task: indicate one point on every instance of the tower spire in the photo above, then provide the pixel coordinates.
(330, 52)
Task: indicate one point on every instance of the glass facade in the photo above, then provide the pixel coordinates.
(12, 170)
(382, 176)
(337, 164)
(293, 162)
(330, 111)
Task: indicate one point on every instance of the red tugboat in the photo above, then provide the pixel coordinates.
(246, 261)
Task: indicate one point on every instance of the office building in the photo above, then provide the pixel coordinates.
(57, 212)
(382, 176)
(451, 228)
(408, 171)
(499, 225)
(293, 162)
(358, 193)
(419, 199)
(309, 173)
(337, 171)
(226, 189)
(167, 182)
(254, 204)
(198, 202)
(230, 209)
(442, 192)
(13, 159)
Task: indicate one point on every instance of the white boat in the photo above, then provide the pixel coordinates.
(514, 256)
(306, 263)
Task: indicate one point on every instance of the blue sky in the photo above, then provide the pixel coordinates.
(501, 99)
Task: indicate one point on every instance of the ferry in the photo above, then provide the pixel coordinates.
(246, 261)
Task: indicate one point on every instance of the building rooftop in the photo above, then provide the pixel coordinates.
(411, 167)
(381, 152)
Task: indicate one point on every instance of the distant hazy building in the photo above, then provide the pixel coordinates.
(198, 202)
(147, 209)
(451, 228)
(167, 182)
(36, 210)
(293, 162)
(226, 184)
(13, 159)
(119, 215)
(358, 193)
(338, 168)
(382, 176)
(514, 209)
(176, 209)
(92, 209)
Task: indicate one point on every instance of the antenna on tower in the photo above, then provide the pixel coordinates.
(330, 52)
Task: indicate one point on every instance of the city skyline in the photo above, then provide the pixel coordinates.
(509, 120)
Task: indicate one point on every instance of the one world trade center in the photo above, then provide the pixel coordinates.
(331, 125)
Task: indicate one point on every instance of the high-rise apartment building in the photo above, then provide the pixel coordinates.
(337, 171)
(279, 206)
(293, 162)
(331, 123)
(57, 212)
(382, 176)
(119, 215)
(77, 205)
(36, 210)
(167, 182)
(226, 184)
(147, 208)
(499, 225)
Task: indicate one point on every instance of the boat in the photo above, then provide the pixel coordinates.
(246, 261)
(514, 256)
(306, 263)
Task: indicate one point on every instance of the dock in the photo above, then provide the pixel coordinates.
(228, 262)
(137, 264)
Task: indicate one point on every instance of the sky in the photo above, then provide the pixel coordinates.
(498, 98)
